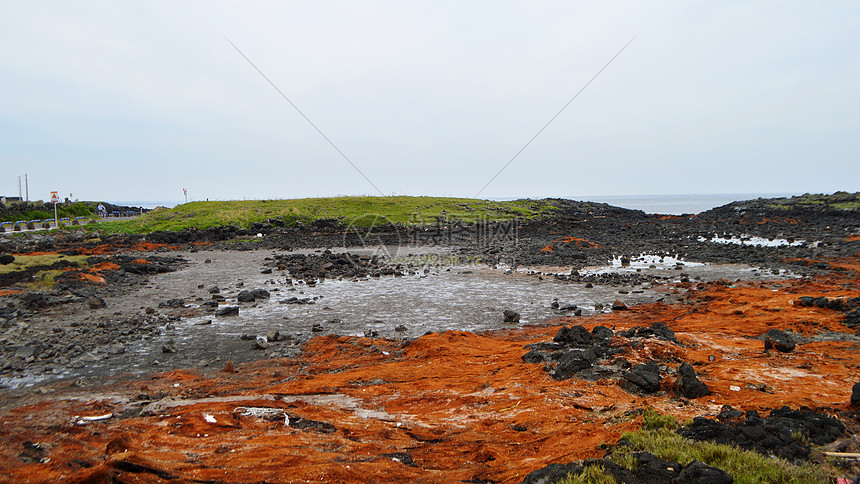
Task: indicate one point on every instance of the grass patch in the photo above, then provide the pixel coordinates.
(853, 206)
(658, 436)
(744, 465)
(239, 241)
(591, 475)
(838, 200)
(362, 211)
(24, 262)
(44, 280)
(653, 420)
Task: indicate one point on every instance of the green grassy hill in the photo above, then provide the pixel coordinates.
(356, 210)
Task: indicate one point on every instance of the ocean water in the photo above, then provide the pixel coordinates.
(663, 204)
(676, 204)
(148, 204)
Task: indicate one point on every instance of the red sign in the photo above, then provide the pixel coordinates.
(54, 197)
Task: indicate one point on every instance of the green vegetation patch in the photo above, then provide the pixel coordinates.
(44, 280)
(657, 436)
(839, 201)
(24, 262)
(593, 474)
(361, 211)
(853, 206)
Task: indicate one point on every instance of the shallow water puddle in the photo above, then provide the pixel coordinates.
(463, 298)
(754, 241)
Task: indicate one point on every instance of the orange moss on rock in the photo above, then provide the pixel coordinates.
(783, 220)
(106, 266)
(91, 278)
(581, 243)
(446, 407)
(103, 249)
(147, 246)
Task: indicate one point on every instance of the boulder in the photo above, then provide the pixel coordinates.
(573, 362)
(511, 316)
(28, 351)
(172, 303)
(96, 302)
(643, 377)
(780, 340)
(115, 348)
(576, 335)
(688, 384)
(245, 296)
(658, 329)
(855, 395)
(650, 468)
(552, 474)
(260, 343)
(602, 332)
(663, 332)
(618, 305)
(533, 356)
(227, 311)
(6, 259)
(260, 294)
(697, 472)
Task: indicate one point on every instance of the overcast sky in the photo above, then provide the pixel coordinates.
(136, 100)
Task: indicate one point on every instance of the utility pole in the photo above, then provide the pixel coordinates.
(26, 188)
(20, 197)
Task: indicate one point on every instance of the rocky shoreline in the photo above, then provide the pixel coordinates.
(579, 235)
(93, 312)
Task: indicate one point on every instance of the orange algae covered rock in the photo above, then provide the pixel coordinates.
(581, 243)
(87, 277)
(446, 407)
(106, 266)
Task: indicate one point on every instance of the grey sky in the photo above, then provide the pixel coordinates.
(136, 100)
